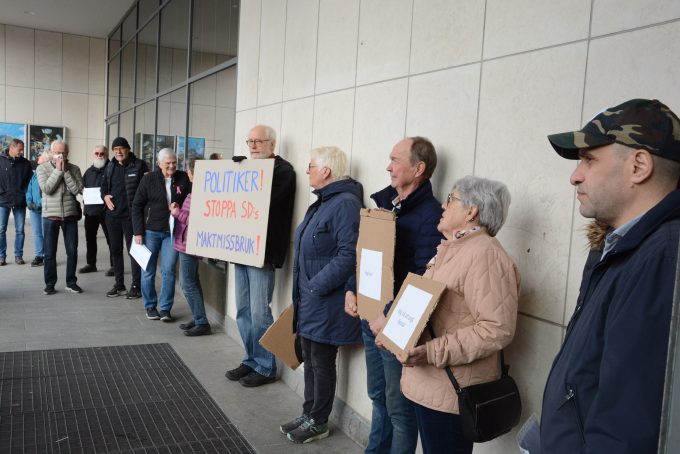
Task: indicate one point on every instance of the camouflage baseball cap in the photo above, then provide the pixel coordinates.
(638, 123)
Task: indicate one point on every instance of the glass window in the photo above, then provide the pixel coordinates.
(127, 76)
(114, 42)
(173, 51)
(172, 120)
(111, 130)
(130, 24)
(113, 82)
(145, 123)
(146, 9)
(146, 60)
(125, 127)
(213, 41)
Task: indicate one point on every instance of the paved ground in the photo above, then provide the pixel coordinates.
(30, 320)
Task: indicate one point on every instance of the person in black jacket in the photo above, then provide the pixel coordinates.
(119, 184)
(15, 174)
(95, 214)
(152, 225)
(255, 286)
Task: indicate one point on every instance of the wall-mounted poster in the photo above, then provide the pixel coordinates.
(144, 145)
(41, 137)
(9, 131)
(196, 148)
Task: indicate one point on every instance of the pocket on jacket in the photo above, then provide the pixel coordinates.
(324, 243)
(570, 404)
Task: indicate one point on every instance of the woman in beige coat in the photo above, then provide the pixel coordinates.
(475, 317)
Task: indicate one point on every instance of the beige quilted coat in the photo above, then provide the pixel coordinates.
(477, 313)
(59, 190)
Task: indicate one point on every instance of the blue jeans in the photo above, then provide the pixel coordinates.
(190, 283)
(254, 290)
(51, 233)
(159, 243)
(19, 221)
(37, 228)
(399, 408)
(441, 432)
(380, 437)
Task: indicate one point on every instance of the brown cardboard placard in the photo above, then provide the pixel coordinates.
(417, 299)
(279, 339)
(375, 256)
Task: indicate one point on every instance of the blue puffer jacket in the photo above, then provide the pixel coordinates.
(34, 195)
(605, 390)
(325, 258)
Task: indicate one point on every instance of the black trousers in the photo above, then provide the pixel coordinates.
(92, 224)
(320, 379)
(119, 229)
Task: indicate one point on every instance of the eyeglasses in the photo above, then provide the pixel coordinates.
(256, 142)
(309, 166)
(450, 198)
(99, 153)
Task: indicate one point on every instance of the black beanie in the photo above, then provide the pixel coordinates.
(120, 142)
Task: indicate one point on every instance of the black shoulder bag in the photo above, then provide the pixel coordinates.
(487, 410)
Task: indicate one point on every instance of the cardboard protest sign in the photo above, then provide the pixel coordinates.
(279, 339)
(375, 261)
(417, 299)
(230, 209)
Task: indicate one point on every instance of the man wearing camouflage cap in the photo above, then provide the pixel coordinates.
(605, 390)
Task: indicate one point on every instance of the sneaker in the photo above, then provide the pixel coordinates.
(74, 288)
(238, 373)
(152, 314)
(187, 326)
(309, 431)
(198, 330)
(290, 426)
(254, 379)
(166, 317)
(88, 269)
(116, 291)
(19, 260)
(38, 261)
(134, 293)
(49, 290)
(3, 261)
(109, 273)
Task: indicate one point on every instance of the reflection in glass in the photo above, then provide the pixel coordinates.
(113, 82)
(127, 76)
(112, 129)
(173, 51)
(171, 123)
(114, 42)
(213, 40)
(145, 121)
(146, 9)
(130, 24)
(146, 60)
(125, 127)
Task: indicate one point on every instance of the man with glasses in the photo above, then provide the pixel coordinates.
(15, 174)
(95, 214)
(255, 286)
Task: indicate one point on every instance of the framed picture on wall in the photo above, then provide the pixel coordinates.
(196, 148)
(144, 145)
(9, 131)
(41, 137)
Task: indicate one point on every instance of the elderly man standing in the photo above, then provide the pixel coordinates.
(95, 214)
(153, 226)
(617, 340)
(412, 163)
(119, 184)
(255, 286)
(60, 182)
(15, 174)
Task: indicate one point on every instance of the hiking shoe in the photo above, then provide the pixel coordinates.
(290, 426)
(238, 373)
(166, 317)
(19, 260)
(309, 431)
(116, 291)
(3, 261)
(134, 293)
(109, 273)
(198, 330)
(187, 326)
(88, 269)
(152, 314)
(74, 288)
(49, 290)
(254, 379)
(38, 261)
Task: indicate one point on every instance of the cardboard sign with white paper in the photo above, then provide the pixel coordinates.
(370, 272)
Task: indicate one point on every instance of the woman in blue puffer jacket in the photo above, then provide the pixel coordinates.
(34, 204)
(325, 258)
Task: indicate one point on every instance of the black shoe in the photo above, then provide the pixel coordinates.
(3, 261)
(166, 317)
(134, 293)
(49, 290)
(116, 291)
(198, 330)
(309, 431)
(88, 269)
(254, 379)
(74, 288)
(290, 426)
(187, 326)
(19, 260)
(238, 373)
(38, 261)
(109, 273)
(152, 314)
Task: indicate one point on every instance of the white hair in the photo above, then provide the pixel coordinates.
(333, 158)
(268, 131)
(491, 198)
(166, 153)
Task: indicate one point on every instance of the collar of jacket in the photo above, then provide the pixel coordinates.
(384, 197)
(336, 187)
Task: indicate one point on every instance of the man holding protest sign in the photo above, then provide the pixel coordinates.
(255, 286)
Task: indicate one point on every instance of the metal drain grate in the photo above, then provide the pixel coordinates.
(126, 399)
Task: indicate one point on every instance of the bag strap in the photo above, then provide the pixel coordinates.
(454, 382)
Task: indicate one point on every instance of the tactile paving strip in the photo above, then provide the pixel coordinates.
(124, 399)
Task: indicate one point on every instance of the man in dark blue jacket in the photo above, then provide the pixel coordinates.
(15, 174)
(605, 390)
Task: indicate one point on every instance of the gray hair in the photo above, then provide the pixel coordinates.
(166, 153)
(59, 141)
(268, 131)
(333, 158)
(104, 148)
(491, 198)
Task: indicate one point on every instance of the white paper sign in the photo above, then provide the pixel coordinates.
(370, 273)
(92, 196)
(140, 253)
(403, 322)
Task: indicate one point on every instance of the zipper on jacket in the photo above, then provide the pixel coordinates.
(571, 397)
